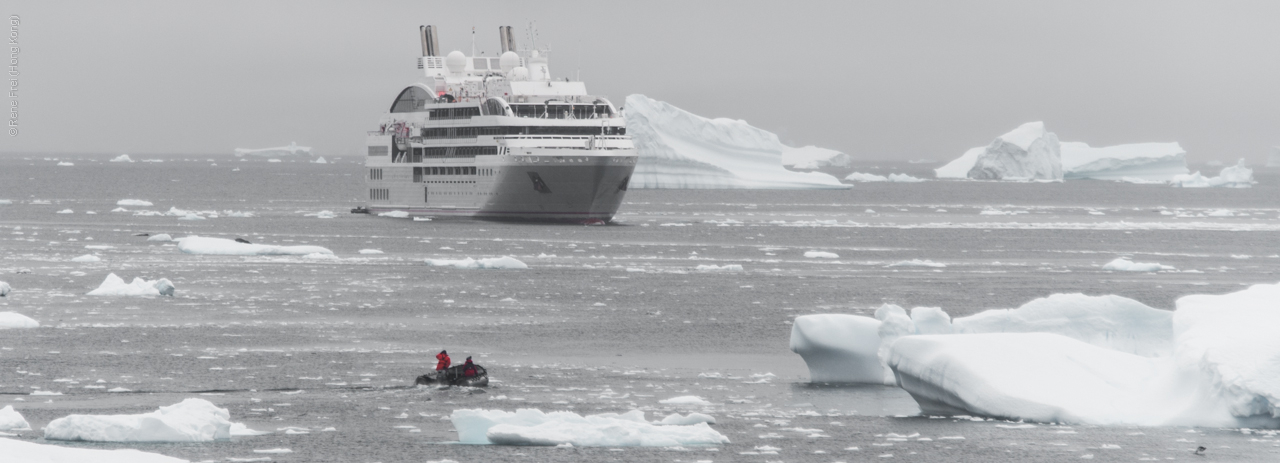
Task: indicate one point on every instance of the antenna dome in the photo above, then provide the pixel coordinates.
(509, 60)
(456, 61)
(519, 73)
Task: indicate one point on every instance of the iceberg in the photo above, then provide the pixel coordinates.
(11, 420)
(115, 286)
(813, 158)
(678, 149)
(534, 427)
(320, 160)
(11, 320)
(87, 258)
(192, 420)
(225, 247)
(1125, 265)
(23, 451)
(865, 177)
(1151, 162)
(290, 150)
(160, 237)
(65, 163)
(821, 255)
(504, 262)
(122, 158)
(1237, 176)
(134, 202)
(1029, 152)
(4, 289)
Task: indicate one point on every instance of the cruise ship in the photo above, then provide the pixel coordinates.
(497, 137)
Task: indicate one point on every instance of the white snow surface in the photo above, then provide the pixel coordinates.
(225, 247)
(1146, 161)
(122, 158)
(11, 420)
(10, 320)
(31, 452)
(115, 286)
(1237, 176)
(1029, 152)
(1125, 265)
(534, 427)
(192, 420)
(134, 202)
(813, 158)
(504, 262)
(678, 149)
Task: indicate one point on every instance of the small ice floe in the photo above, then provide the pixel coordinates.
(422, 219)
(160, 237)
(904, 178)
(5, 202)
(370, 251)
(10, 320)
(685, 400)
(134, 202)
(4, 289)
(821, 255)
(122, 158)
(274, 160)
(11, 420)
(119, 390)
(282, 450)
(322, 215)
(394, 214)
(504, 262)
(66, 211)
(676, 419)
(719, 268)
(192, 420)
(65, 163)
(1126, 265)
(225, 247)
(534, 427)
(917, 263)
(87, 258)
(115, 286)
(863, 177)
(23, 451)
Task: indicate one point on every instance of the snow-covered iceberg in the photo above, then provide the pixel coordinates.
(534, 427)
(23, 451)
(9, 320)
(504, 262)
(1237, 176)
(1029, 152)
(192, 420)
(813, 158)
(1156, 162)
(679, 149)
(11, 420)
(225, 247)
(290, 150)
(115, 286)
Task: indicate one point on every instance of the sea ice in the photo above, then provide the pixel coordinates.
(1029, 152)
(122, 158)
(1237, 176)
(134, 202)
(115, 286)
(225, 247)
(839, 348)
(31, 452)
(504, 262)
(1125, 265)
(1152, 162)
(813, 158)
(16, 320)
(821, 255)
(678, 149)
(87, 258)
(11, 420)
(192, 420)
(534, 427)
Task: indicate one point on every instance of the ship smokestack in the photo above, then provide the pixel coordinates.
(430, 44)
(507, 38)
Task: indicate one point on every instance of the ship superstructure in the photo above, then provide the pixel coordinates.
(498, 138)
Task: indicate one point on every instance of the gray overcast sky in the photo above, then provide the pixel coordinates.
(879, 80)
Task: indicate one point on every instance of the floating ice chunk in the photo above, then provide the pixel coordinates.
(685, 400)
(839, 348)
(813, 158)
(504, 262)
(134, 202)
(87, 258)
(11, 420)
(917, 263)
(191, 216)
(320, 160)
(533, 427)
(864, 177)
(292, 149)
(122, 158)
(1125, 265)
(370, 251)
(394, 214)
(676, 419)
(678, 149)
(16, 320)
(821, 255)
(239, 429)
(321, 256)
(192, 420)
(1237, 176)
(66, 211)
(904, 178)
(720, 268)
(115, 286)
(65, 163)
(322, 215)
(1135, 163)
(23, 451)
(4, 289)
(160, 237)
(1029, 152)
(278, 450)
(5, 202)
(225, 247)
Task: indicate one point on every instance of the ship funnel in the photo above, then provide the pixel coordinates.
(430, 44)
(507, 38)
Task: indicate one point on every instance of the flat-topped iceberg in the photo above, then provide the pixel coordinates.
(679, 149)
(225, 247)
(813, 158)
(534, 427)
(1028, 152)
(115, 286)
(1157, 162)
(192, 420)
(1237, 176)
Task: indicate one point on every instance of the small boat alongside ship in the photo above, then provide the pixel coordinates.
(498, 138)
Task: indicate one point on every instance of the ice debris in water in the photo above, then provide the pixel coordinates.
(504, 262)
(370, 251)
(1125, 265)
(917, 263)
(115, 286)
(4, 289)
(394, 214)
(534, 427)
(685, 400)
(821, 255)
(11, 420)
(192, 420)
(160, 237)
(322, 215)
(66, 211)
(87, 258)
(23, 451)
(65, 163)
(122, 158)
(1237, 176)
(134, 202)
(225, 247)
(10, 320)
(720, 268)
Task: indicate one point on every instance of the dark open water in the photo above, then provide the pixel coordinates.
(606, 319)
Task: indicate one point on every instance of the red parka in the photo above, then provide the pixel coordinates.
(443, 361)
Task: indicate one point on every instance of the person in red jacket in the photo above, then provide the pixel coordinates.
(468, 369)
(442, 364)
